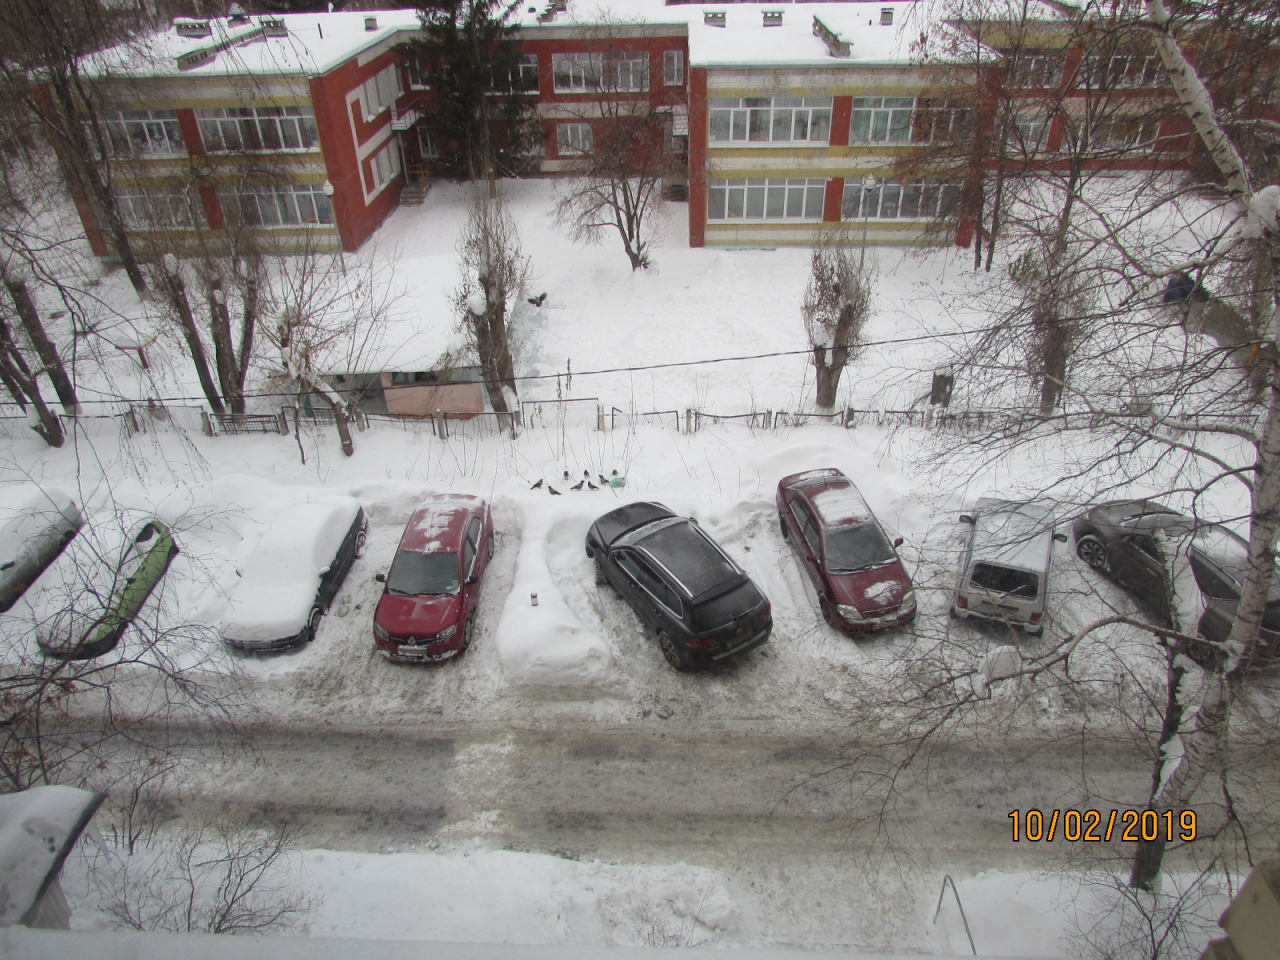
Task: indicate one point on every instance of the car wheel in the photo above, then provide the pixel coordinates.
(670, 651)
(825, 608)
(361, 539)
(490, 545)
(313, 623)
(1093, 552)
(601, 579)
(466, 635)
(782, 523)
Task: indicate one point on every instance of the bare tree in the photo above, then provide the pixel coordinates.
(228, 875)
(494, 274)
(837, 305)
(623, 151)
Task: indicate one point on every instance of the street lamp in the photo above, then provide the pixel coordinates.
(333, 211)
(868, 184)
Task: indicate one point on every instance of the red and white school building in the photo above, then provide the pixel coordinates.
(307, 127)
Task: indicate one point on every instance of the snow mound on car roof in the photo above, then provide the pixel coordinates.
(546, 645)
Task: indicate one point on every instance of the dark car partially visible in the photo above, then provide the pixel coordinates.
(703, 606)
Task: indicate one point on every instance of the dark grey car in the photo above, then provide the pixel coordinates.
(1130, 541)
(702, 605)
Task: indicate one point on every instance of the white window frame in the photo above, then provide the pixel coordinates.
(882, 120)
(1117, 134)
(673, 68)
(237, 129)
(890, 200)
(384, 166)
(280, 207)
(1029, 133)
(1037, 70)
(159, 209)
(576, 72)
(380, 91)
(573, 139)
(626, 71)
(763, 121)
(150, 133)
(528, 80)
(766, 200)
(1111, 71)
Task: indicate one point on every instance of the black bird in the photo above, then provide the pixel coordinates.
(604, 481)
(578, 485)
(615, 473)
(591, 486)
(539, 300)
(586, 474)
(554, 491)
(566, 474)
(536, 485)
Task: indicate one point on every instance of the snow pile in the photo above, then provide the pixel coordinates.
(547, 645)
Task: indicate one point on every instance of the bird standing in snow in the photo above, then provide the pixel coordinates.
(536, 485)
(578, 485)
(591, 486)
(554, 491)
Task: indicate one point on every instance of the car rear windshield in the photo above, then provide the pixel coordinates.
(857, 548)
(998, 579)
(722, 610)
(424, 574)
(693, 560)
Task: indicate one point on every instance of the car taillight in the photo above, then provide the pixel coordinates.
(1034, 618)
(701, 643)
(764, 614)
(962, 603)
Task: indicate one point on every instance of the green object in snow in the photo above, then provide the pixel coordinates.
(617, 482)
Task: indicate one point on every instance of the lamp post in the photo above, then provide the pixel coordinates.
(333, 210)
(868, 184)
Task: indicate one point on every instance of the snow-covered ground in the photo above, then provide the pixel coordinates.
(580, 655)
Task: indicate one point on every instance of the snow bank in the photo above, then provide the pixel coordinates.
(547, 645)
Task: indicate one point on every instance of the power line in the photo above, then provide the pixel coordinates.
(590, 373)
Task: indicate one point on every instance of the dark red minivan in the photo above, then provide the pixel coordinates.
(861, 584)
(428, 607)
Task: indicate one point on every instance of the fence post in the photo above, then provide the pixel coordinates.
(688, 420)
(441, 429)
(206, 425)
(600, 417)
(131, 421)
(768, 419)
(284, 422)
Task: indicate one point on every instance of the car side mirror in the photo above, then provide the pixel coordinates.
(1060, 537)
(898, 541)
(7, 565)
(472, 579)
(322, 571)
(380, 577)
(965, 518)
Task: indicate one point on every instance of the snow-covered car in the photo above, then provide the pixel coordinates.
(703, 606)
(861, 584)
(102, 585)
(1140, 543)
(1005, 564)
(35, 524)
(293, 574)
(428, 605)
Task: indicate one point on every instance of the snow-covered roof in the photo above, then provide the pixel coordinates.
(313, 44)
(1018, 535)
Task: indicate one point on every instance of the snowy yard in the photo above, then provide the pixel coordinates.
(579, 658)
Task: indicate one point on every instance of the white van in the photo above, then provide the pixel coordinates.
(1004, 568)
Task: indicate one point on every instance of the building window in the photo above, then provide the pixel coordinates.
(426, 143)
(257, 129)
(380, 91)
(419, 71)
(886, 16)
(284, 206)
(881, 120)
(1101, 71)
(758, 199)
(573, 139)
(673, 68)
(887, 200)
(385, 165)
(151, 209)
(575, 72)
(131, 133)
(1117, 135)
(528, 78)
(1032, 70)
(770, 119)
(940, 121)
(1028, 133)
(627, 72)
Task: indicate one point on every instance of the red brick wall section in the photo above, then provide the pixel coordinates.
(698, 157)
(841, 118)
(190, 128)
(833, 199)
(356, 221)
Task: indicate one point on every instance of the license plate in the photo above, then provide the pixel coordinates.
(413, 651)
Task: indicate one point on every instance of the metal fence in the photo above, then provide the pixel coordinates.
(561, 414)
(622, 420)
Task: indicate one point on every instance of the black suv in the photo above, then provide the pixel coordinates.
(701, 603)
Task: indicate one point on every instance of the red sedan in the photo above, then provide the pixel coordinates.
(861, 584)
(428, 607)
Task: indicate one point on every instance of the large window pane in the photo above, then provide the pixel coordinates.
(720, 121)
(782, 124)
(755, 200)
(813, 195)
(776, 204)
(716, 203)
